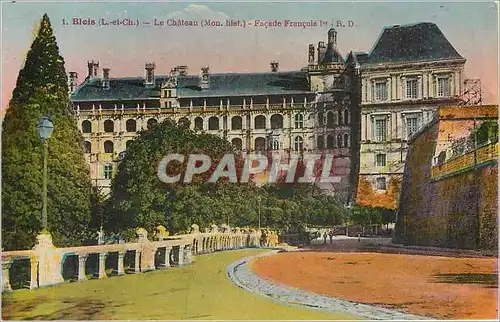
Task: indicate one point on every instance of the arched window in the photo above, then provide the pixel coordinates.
(108, 147)
(260, 122)
(236, 123)
(299, 120)
(346, 116)
(276, 121)
(321, 119)
(339, 141)
(330, 142)
(299, 143)
(237, 144)
(329, 119)
(346, 140)
(213, 123)
(184, 121)
(86, 126)
(127, 144)
(131, 125)
(151, 123)
(87, 146)
(321, 142)
(260, 144)
(340, 121)
(109, 126)
(198, 124)
(274, 144)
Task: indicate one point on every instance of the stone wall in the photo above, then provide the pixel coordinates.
(459, 211)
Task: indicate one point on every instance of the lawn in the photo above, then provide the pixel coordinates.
(199, 291)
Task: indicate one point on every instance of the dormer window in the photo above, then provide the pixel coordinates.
(381, 91)
(411, 88)
(443, 86)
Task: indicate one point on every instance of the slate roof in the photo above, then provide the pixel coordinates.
(226, 84)
(332, 56)
(237, 84)
(422, 41)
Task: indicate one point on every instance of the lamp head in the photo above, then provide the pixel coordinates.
(45, 127)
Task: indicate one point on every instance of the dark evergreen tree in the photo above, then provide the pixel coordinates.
(42, 89)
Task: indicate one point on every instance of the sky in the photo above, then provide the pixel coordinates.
(471, 27)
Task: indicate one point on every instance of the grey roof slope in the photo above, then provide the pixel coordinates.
(227, 84)
(415, 42)
(236, 84)
(332, 56)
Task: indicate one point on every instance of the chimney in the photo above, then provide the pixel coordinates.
(105, 78)
(205, 78)
(93, 67)
(311, 54)
(274, 66)
(150, 74)
(73, 82)
(321, 51)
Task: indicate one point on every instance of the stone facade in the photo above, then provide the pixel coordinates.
(452, 203)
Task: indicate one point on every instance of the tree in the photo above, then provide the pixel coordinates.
(42, 89)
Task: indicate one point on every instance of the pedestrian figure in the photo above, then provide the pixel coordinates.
(331, 236)
(324, 237)
(359, 237)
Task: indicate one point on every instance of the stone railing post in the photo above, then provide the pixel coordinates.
(82, 259)
(181, 255)
(102, 265)
(189, 254)
(33, 272)
(121, 266)
(6, 263)
(137, 268)
(167, 257)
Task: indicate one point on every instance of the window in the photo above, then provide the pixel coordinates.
(151, 123)
(339, 117)
(329, 120)
(411, 88)
(321, 142)
(321, 119)
(87, 146)
(108, 147)
(169, 104)
(237, 144)
(339, 141)
(443, 86)
(411, 125)
(260, 122)
(213, 123)
(184, 121)
(260, 144)
(169, 93)
(380, 91)
(380, 160)
(381, 130)
(299, 143)
(381, 183)
(236, 123)
(346, 116)
(86, 126)
(276, 121)
(109, 126)
(329, 142)
(274, 144)
(299, 120)
(346, 140)
(131, 125)
(198, 124)
(108, 171)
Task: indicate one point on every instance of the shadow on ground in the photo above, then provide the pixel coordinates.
(75, 309)
(488, 280)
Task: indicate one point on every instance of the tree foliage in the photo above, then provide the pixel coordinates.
(41, 89)
(140, 199)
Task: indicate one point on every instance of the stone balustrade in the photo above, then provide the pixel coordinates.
(46, 260)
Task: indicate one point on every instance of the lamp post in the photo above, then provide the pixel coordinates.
(259, 212)
(45, 128)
